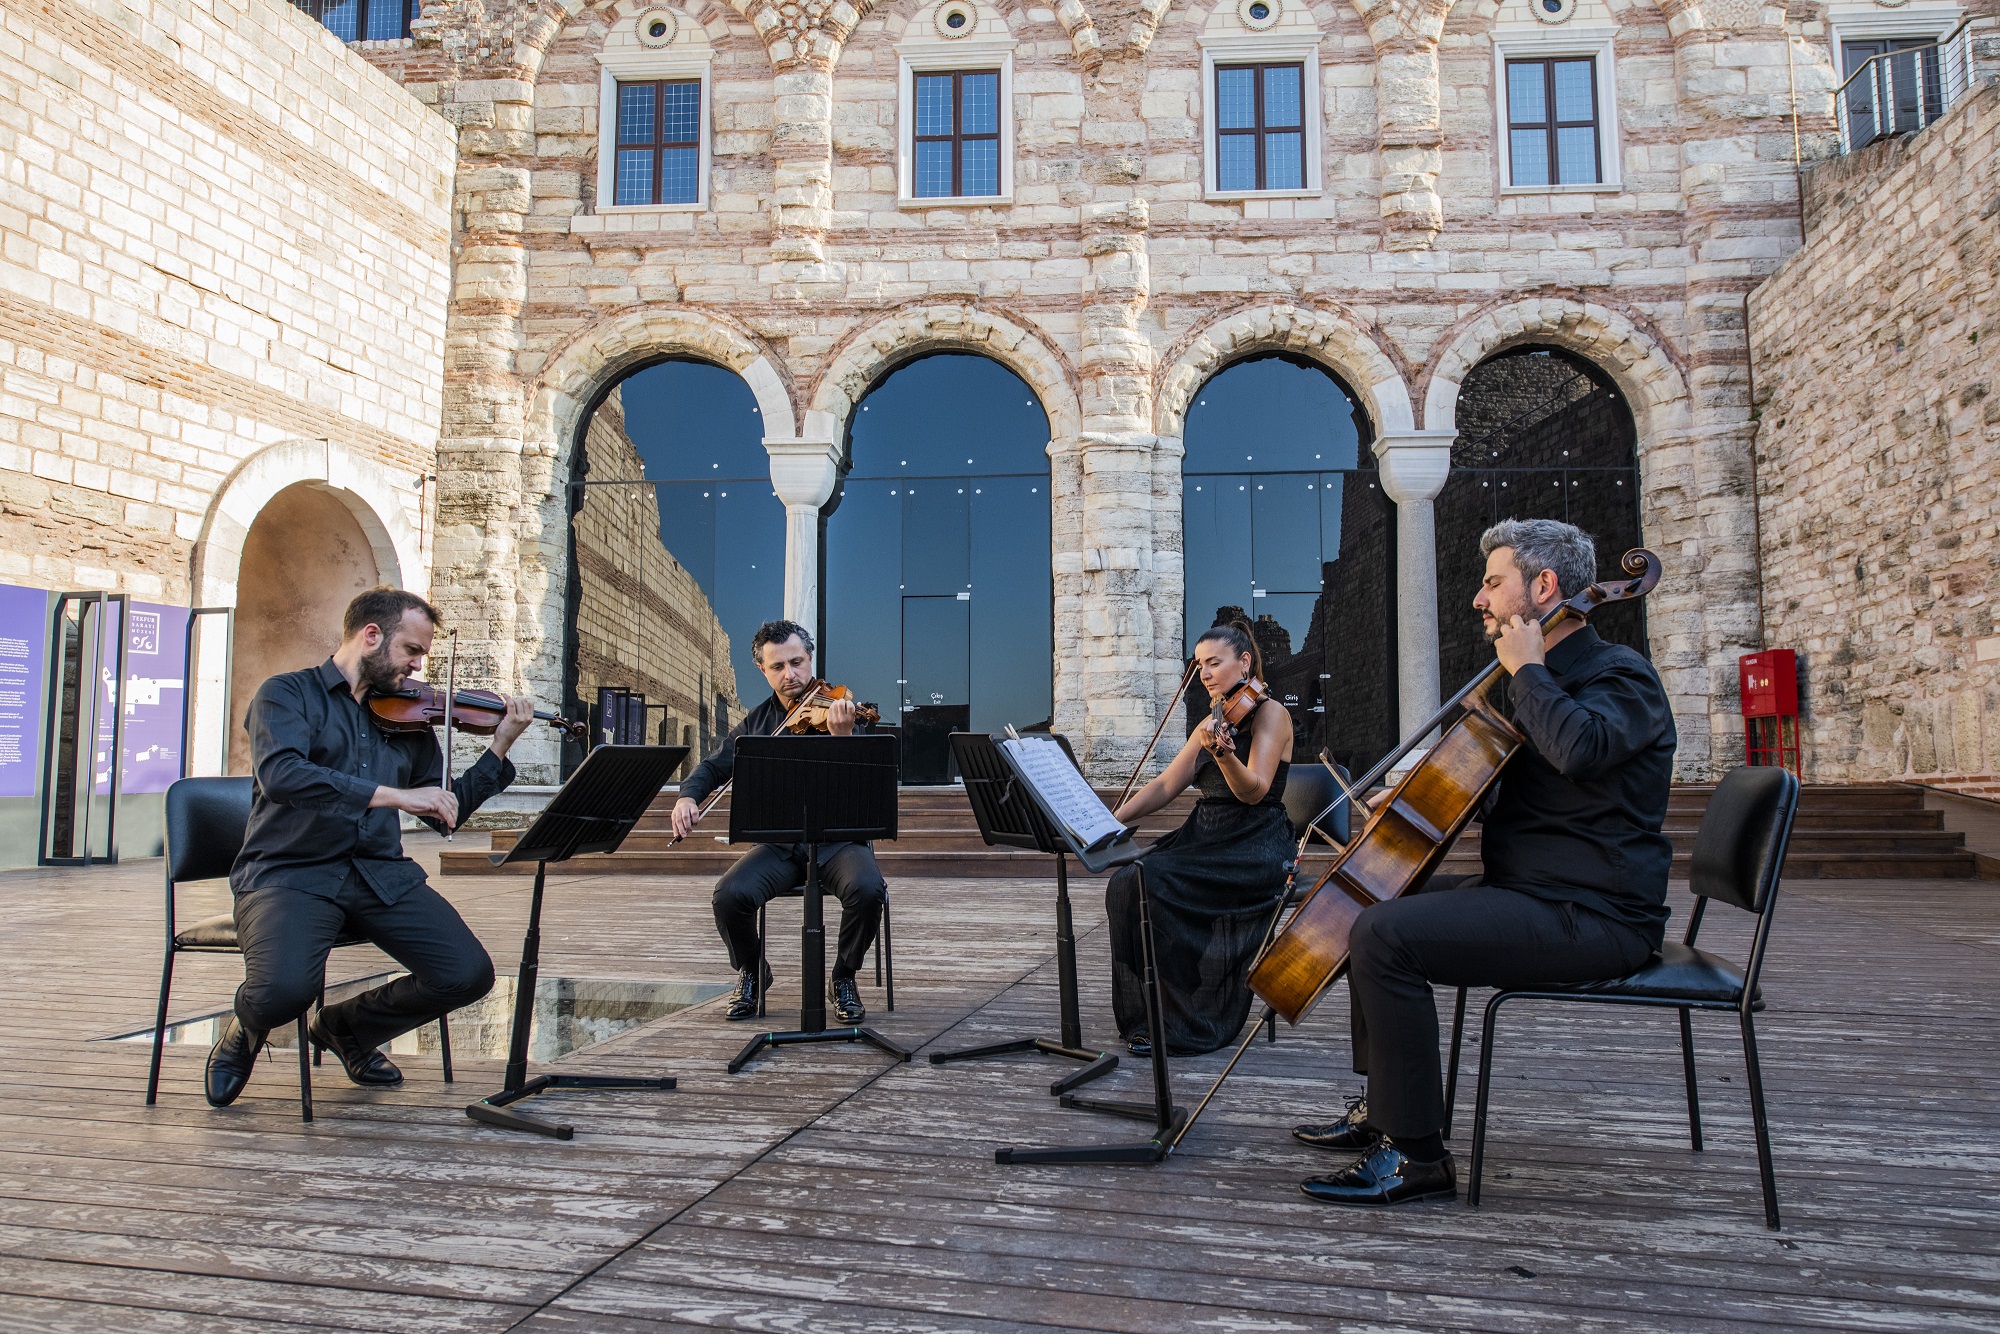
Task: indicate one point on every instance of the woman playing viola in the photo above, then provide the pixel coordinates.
(1212, 883)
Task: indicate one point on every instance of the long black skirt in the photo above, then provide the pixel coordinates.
(1212, 885)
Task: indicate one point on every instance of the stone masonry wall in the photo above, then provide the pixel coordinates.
(219, 231)
(1876, 347)
(643, 622)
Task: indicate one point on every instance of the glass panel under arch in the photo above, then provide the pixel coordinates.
(1286, 523)
(677, 546)
(937, 598)
(1542, 434)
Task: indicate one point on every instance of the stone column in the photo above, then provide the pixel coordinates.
(1414, 465)
(803, 473)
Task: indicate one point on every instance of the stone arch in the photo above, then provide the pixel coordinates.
(901, 335)
(1338, 343)
(371, 493)
(578, 371)
(1633, 354)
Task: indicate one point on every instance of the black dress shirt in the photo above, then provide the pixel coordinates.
(318, 757)
(1578, 810)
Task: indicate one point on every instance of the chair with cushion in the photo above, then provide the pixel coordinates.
(206, 822)
(885, 953)
(1739, 855)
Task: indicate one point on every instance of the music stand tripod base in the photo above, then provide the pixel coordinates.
(494, 1110)
(766, 1041)
(1098, 1064)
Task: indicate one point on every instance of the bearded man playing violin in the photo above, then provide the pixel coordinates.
(784, 653)
(1575, 881)
(322, 859)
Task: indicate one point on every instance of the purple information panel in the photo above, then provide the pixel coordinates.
(155, 657)
(24, 633)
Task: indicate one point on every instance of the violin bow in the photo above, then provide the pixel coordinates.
(450, 691)
(1179, 690)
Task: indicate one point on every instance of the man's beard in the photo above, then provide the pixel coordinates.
(378, 676)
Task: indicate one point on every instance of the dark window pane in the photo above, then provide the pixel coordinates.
(1013, 618)
(1530, 152)
(635, 176)
(937, 651)
(682, 112)
(635, 112)
(934, 104)
(937, 554)
(1284, 162)
(1216, 535)
(1575, 95)
(385, 21)
(982, 167)
(981, 112)
(1527, 93)
(342, 20)
(864, 621)
(1285, 543)
(680, 169)
(933, 170)
(1281, 96)
(1236, 162)
(1577, 155)
(1236, 99)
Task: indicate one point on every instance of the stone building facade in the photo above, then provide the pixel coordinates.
(1880, 427)
(1114, 277)
(642, 621)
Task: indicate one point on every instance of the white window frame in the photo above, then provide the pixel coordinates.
(640, 67)
(1845, 24)
(1568, 41)
(1272, 48)
(971, 54)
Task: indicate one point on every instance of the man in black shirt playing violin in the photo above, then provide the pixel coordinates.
(1575, 880)
(323, 859)
(784, 653)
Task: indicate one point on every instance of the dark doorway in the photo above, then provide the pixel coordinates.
(936, 588)
(1542, 434)
(1285, 520)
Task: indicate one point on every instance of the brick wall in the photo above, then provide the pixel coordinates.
(219, 230)
(1876, 347)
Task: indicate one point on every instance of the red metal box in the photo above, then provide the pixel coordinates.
(1769, 683)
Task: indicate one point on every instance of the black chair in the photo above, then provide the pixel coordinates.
(885, 953)
(206, 821)
(1739, 856)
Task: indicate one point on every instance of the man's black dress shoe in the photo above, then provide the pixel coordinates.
(366, 1066)
(743, 1005)
(1140, 1045)
(230, 1062)
(846, 998)
(1350, 1134)
(1385, 1175)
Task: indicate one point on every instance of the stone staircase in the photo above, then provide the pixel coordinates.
(1850, 831)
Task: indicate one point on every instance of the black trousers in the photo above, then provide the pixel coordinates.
(848, 873)
(286, 935)
(1461, 935)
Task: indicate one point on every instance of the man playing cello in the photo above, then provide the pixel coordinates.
(1575, 881)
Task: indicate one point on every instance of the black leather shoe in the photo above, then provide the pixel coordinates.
(1140, 1045)
(846, 998)
(366, 1066)
(1384, 1175)
(230, 1062)
(743, 1005)
(1350, 1134)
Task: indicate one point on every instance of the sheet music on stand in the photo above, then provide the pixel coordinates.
(1066, 798)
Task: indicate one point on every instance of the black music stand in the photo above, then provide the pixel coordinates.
(607, 795)
(812, 790)
(1008, 818)
(1167, 1118)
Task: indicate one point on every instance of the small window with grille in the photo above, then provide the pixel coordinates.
(1260, 140)
(363, 20)
(955, 141)
(659, 142)
(1553, 122)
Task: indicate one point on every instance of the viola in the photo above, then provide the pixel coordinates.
(418, 706)
(1238, 702)
(810, 713)
(1406, 838)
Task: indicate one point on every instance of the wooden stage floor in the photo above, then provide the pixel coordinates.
(826, 1189)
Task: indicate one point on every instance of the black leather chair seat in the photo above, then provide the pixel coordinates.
(219, 933)
(1677, 972)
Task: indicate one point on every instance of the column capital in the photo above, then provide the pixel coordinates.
(1414, 464)
(803, 472)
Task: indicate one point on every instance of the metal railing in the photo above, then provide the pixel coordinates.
(1901, 91)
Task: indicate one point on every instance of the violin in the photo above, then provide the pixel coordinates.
(1238, 702)
(810, 713)
(1406, 838)
(418, 706)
